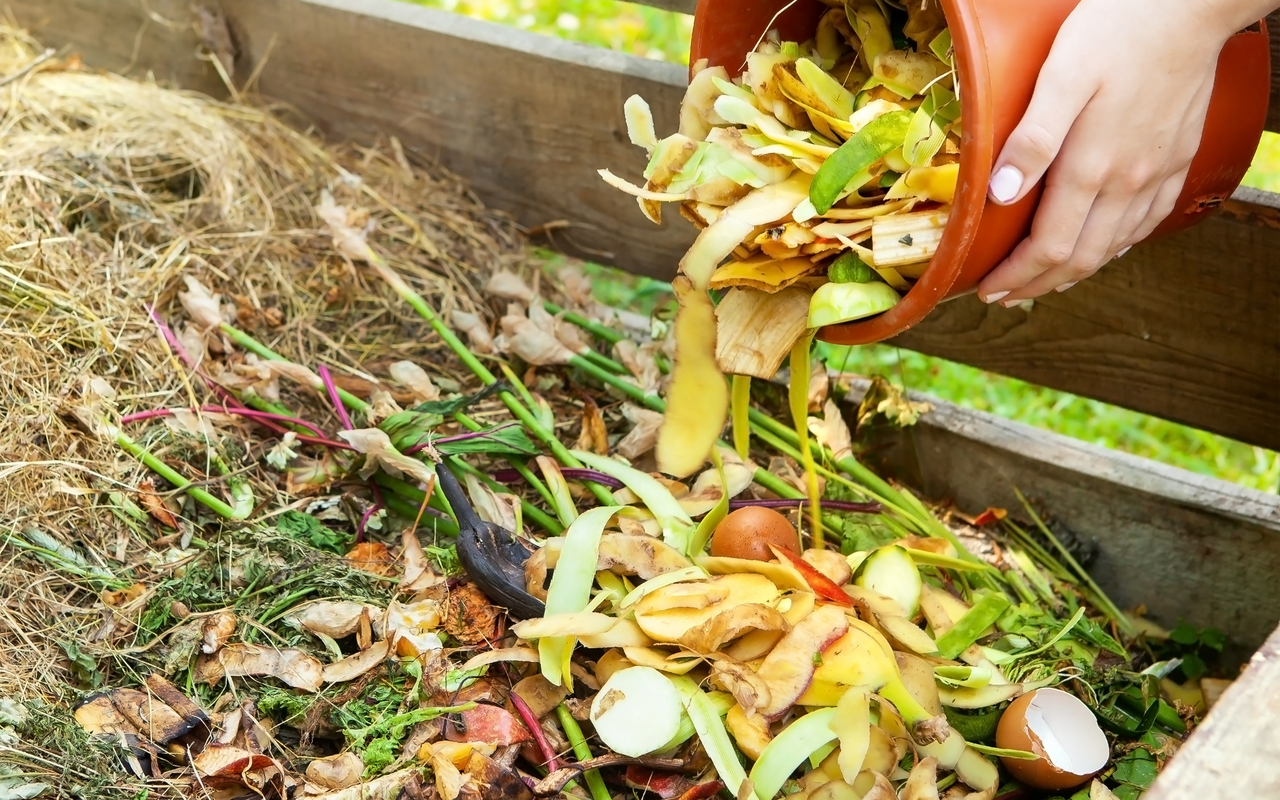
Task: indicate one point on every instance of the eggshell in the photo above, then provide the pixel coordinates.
(1060, 729)
(748, 532)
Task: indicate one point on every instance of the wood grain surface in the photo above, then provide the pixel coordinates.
(1187, 328)
(1235, 753)
(1164, 535)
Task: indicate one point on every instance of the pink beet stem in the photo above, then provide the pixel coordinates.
(332, 389)
(264, 417)
(535, 730)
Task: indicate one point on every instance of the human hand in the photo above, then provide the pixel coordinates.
(1115, 120)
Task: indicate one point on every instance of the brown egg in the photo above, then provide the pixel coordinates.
(748, 532)
(1062, 731)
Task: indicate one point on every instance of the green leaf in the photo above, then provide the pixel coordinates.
(1214, 638)
(83, 668)
(1193, 666)
(503, 440)
(309, 530)
(1136, 768)
(378, 756)
(1185, 633)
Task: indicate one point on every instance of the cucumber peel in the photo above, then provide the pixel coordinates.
(881, 135)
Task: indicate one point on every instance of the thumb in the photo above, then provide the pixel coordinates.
(1037, 140)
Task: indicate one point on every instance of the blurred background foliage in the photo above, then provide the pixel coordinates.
(663, 35)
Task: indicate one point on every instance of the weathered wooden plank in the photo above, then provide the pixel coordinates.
(1273, 113)
(1188, 328)
(1183, 544)
(1235, 752)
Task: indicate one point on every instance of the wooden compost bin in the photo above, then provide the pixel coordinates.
(1187, 329)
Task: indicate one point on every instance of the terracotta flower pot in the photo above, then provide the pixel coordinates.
(1000, 46)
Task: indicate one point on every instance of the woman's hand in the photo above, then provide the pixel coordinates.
(1115, 120)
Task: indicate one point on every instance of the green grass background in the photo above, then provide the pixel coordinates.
(662, 35)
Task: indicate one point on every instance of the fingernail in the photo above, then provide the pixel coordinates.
(991, 298)
(1006, 183)
(1066, 286)
(1010, 303)
(1122, 252)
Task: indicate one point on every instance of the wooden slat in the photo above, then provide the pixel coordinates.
(1273, 113)
(1235, 752)
(1185, 329)
(1156, 527)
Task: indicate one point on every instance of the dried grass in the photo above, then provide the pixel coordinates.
(111, 192)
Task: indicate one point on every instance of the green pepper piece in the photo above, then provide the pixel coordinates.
(879, 136)
(987, 608)
(848, 268)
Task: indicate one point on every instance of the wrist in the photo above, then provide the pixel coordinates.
(1229, 17)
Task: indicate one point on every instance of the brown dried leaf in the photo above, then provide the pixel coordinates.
(123, 597)
(641, 362)
(332, 618)
(347, 239)
(416, 379)
(594, 438)
(204, 307)
(532, 343)
(336, 772)
(353, 666)
(379, 452)
(216, 631)
(832, 431)
(371, 557)
(386, 786)
(500, 509)
(819, 385)
(475, 329)
(418, 575)
(643, 435)
(154, 505)
(294, 667)
(508, 286)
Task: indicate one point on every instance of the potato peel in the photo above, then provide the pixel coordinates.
(698, 400)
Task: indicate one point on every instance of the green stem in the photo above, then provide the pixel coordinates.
(741, 402)
(284, 605)
(254, 346)
(403, 507)
(521, 467)
(605, 363)
(169, 474)
(472, 363)
(1103, 600)
(573, 732)
(594, 328)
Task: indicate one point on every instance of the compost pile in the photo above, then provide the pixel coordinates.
(268, 426)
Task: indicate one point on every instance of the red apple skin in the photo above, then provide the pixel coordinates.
(493, 725)
(788, 669)
(821, 585)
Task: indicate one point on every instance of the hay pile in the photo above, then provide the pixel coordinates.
(112, 194)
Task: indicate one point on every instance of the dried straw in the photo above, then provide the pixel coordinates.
(112, 192)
